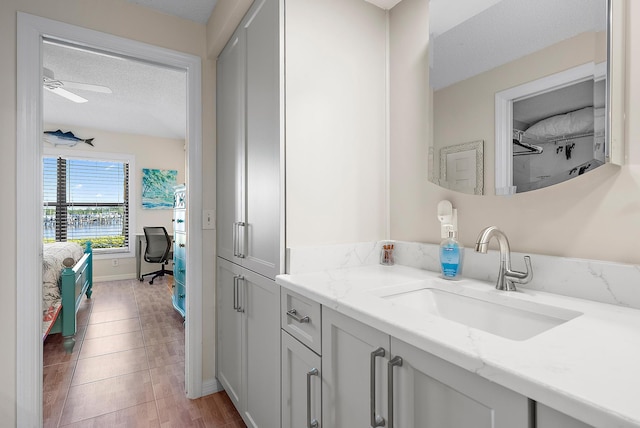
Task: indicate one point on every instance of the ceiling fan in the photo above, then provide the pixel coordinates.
(58, 87)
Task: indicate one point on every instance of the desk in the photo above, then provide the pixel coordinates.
(141, 242)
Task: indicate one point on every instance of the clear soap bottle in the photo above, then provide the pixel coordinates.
(450, 257)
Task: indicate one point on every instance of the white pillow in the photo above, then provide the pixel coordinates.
(575, 122)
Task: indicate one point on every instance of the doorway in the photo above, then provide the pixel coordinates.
(507, 135)
(31, 31)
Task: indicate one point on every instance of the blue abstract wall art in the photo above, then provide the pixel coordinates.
(157, 188)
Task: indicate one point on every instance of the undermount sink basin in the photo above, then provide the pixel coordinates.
(516, 319)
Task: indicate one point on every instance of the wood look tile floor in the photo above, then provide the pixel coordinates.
(127, 367)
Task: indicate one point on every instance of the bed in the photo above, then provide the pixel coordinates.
(67, 275)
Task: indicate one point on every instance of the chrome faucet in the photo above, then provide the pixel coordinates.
(506, 277)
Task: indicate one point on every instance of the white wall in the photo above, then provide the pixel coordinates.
(117, 17)
(411, 206)
(595, 216)
(335, 122)
(149, 152)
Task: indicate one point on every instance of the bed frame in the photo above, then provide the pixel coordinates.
(75, 281)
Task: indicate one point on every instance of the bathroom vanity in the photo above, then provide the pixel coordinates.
(402, 346)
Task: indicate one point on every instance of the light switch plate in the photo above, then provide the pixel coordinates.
(209, 219)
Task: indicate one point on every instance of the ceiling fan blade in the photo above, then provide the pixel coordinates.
(87, 87)
(68, 95)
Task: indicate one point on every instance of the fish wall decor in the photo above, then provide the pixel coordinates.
(59, 138)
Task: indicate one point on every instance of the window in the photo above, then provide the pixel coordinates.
(87, 199)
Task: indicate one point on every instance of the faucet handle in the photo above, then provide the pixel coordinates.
(520, 277)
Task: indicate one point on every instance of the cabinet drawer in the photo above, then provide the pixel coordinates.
(301, 318)
(179, 267)
(179, 245)
(180, 292)
(178, 298)
(180, 199)
(179, 220)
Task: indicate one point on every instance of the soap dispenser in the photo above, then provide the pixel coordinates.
(450, 256)
(450, 252)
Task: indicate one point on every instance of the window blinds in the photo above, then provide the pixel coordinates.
(86, 199)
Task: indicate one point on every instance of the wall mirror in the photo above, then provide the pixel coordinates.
(530, 79)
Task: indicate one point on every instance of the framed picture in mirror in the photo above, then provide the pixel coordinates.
(462, 167)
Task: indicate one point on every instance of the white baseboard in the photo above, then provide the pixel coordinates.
(211, 386)
(114, 277)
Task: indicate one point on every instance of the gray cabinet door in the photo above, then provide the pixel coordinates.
(430, 392)
(249, 114)
(546, 417)
(248, 343)
(347, 347)
(230, 111)
(301, 381)
(262, 240)
(229, 329)
(259, 302)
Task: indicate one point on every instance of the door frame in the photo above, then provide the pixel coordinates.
(504, 115)
(31, 30)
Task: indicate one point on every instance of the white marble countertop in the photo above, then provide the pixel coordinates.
(588, 367)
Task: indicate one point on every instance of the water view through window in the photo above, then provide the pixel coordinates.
(86, 200)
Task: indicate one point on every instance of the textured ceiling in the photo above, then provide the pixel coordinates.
(146, 99)
(450, 13)
(508, 30)
(195, 10)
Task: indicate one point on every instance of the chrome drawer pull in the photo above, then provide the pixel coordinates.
(395, 362)
(236, 251)
(311, 423)
(241, 241)
(376, 420)
(294, 314)
(235, 293)
(241, 295)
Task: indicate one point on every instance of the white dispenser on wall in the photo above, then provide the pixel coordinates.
(450, 251)
(448, 217)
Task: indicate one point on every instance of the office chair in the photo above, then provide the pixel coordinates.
(158, 250)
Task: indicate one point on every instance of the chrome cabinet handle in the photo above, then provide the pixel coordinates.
(240, 295)
(238, 244)
(294, 314)
(235, 292)
(395, 362)
(234, 238)
(376, 420)
(241, 241)
(311, 423)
